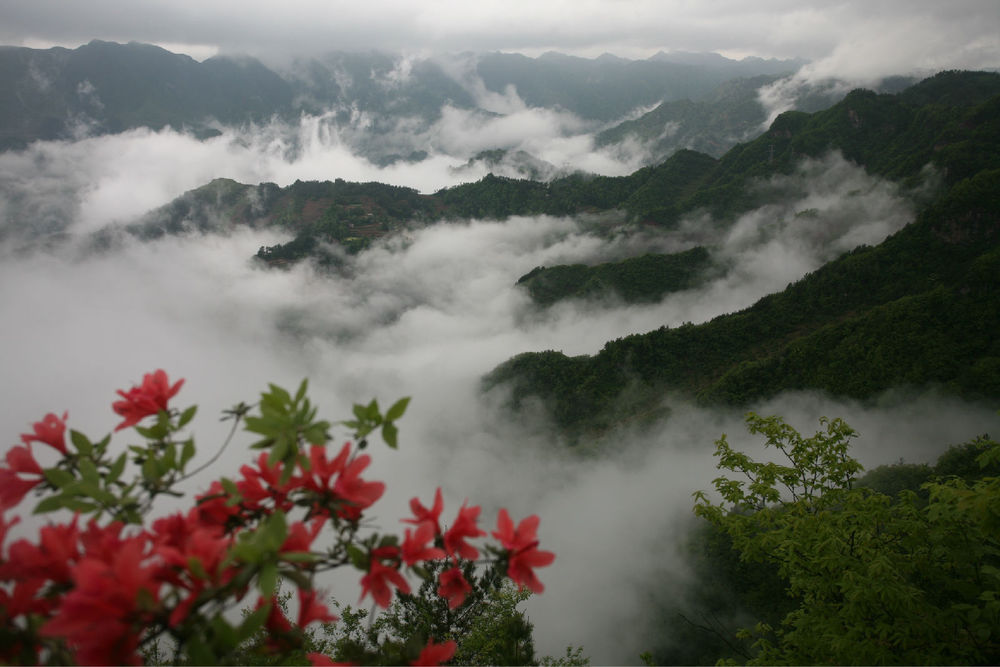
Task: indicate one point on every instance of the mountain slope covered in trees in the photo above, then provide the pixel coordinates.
(919, 309)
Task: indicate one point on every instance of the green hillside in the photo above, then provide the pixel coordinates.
(921, 308)
(644, 279)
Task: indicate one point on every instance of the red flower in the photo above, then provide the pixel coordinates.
(300, 538)
(145, 400)
(254, 492)
(355, 491)
(415, 547)
(422, 514)
(435, 654)
(317, 477)
(464, 526)
(14, 488)
(102, 618)
(377, 581)
(522, 554)
(453, 587)
(51, 560)
(213, 508)
(311, 609)
(51, 431)
(320, 660)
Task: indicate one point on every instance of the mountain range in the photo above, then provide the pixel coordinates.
(915, 310)
(106, 87)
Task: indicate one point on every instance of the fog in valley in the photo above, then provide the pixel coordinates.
(426, 314)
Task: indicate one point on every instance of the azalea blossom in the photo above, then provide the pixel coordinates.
(13, 487)
(146, 399)
(51, 431)
(522, 554)
(263, 483)
(453, 587)
(377, 583)
(422, 514)
(356, 493)
(435, 654)
(103, 617)
(464, 527)
(311, 609)
(415, 547)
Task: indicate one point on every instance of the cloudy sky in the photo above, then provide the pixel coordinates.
(886, 34)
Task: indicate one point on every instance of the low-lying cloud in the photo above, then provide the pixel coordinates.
(427, 314)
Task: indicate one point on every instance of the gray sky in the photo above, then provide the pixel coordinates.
(854, 38)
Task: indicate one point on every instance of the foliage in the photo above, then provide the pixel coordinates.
(875, 580)
(645, 279)
(918, 309)
(127, 585)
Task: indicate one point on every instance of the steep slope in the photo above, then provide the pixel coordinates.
(921, 308)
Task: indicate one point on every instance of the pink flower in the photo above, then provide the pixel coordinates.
(377, 583)
(453, 587)
(145, 400)
(422, 514)
(464, 527)
(522, 554)
(51, 431)
(13, 487)
(415, 547)
(435, 654)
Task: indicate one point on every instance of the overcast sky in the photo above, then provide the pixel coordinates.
(890, 35)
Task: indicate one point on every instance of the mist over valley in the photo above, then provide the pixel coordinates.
(583, 270)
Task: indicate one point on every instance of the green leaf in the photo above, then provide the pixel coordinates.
(78, 505)
(267, 579)
(150, 471)
(187, 453)
(224, 634)
(397, 409)
(58, 477)
(187, 416)
(88, 471)
(253, 622)
(50, 504)
(274, 532)
(359, 558)
(390, 434)
(197, 569)
(116, 469)
(81, 442)
(299, 557)
(198, 653)
(301, 393)
(92, 490)
(230, 488)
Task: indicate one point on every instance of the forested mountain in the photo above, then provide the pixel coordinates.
(105, 87)
(918, 309)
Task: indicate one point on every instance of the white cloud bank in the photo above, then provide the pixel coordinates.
(426, 316)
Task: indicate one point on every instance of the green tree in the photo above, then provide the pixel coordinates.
(876, 579)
